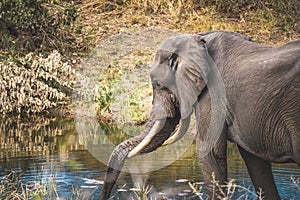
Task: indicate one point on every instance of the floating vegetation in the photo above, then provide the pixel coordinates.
(33, 84)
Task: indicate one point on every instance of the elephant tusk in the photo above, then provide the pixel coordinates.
(185, 123)
(158, 125)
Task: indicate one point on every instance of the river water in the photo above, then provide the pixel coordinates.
(49, 156)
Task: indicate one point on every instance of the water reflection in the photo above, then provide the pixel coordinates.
(48, 150)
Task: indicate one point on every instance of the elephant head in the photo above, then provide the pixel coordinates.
(179, 73)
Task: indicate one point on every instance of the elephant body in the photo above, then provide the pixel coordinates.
(262, 107)
(262, 86)
(261, 104)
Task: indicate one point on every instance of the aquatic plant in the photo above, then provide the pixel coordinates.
(141, 193)
(230, 191)
(13, 187)
(296, 182)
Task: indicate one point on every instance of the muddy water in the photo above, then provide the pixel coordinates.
(50, 152)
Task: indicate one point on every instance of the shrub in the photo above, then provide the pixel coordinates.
(33, 83)
(40, 26)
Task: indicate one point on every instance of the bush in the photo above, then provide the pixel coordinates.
(42, 25)
(34, 84)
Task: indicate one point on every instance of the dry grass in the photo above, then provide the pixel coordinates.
(269, 22)
(34, 84)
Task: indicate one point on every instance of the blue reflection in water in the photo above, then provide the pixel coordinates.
(283, 178)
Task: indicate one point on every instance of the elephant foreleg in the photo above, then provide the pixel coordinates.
(261, 175)
(215, 175)
(214, 163)
(214, 168)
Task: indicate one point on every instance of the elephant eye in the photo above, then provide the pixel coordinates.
(173, 61)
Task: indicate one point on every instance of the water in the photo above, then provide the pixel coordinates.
(49, 155)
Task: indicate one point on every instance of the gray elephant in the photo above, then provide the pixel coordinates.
(239, 90)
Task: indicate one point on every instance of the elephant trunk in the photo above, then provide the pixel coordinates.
(120, 153)
(115, 164)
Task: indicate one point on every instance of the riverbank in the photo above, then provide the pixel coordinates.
(67, 32)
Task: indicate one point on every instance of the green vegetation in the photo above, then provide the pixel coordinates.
(40, 26)
(138, 103)
(107, 91)
(34, 33)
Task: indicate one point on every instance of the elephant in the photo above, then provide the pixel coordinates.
(245, 92)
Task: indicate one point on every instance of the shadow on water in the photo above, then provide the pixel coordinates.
(48, 151)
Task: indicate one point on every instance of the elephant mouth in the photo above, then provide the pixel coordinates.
(155, 131)
(165, 116)
(156, 128)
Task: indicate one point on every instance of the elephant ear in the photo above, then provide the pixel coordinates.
(192, 73)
